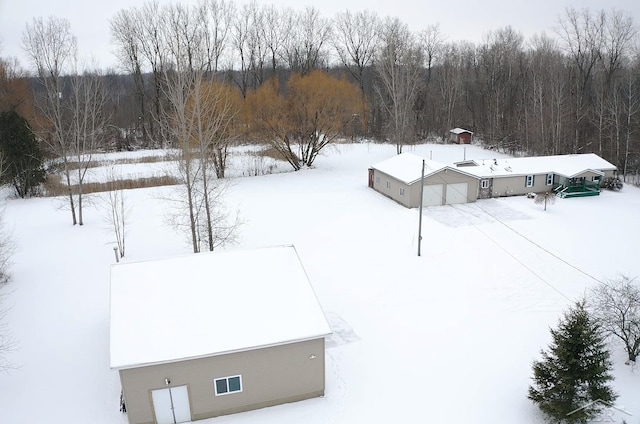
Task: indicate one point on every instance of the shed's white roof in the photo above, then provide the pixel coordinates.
(460, 131)
(566, 165)
(407, 167)
(210, 303)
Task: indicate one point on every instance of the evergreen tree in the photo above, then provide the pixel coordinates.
(574, 373)
(21, 153)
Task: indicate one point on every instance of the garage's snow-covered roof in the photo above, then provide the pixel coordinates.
(210, 303)
(565, 165)
(407, 167)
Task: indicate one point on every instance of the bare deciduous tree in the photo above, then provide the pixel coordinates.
(581, 34)
(356, 42)
(616, 305)
(398, 69)
(87, 130)
(51, 47)
(198, 114)
(73, 105)
(306, 45)
(116, 210)
(450, 84)
(125, 31)
(274, 33)
(216, 16)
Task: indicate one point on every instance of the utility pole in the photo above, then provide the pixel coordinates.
(420, 217)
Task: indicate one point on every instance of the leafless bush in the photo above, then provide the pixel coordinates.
(7, 341)
(255, 165)
(544, 198)
(616, 305)
(7, 248)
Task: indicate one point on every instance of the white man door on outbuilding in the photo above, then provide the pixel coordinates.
(171, 405)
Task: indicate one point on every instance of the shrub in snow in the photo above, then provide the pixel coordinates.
(612, 183)
(570, 382)
(544, 198)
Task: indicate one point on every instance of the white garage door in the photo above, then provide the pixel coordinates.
(432, 195)
(457, 193)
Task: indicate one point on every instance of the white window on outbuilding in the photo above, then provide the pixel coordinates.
(401, 191)
(377, 179)
(528, 181)
(227, 385)
(388, 185)
(549, 179)
(484, 184)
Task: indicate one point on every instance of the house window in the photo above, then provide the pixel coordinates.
(377, 180)
(227, 385)
(484, 184)
(595, 178)
(549, 179)
(388, 185)
(401, 191)
(529, 181)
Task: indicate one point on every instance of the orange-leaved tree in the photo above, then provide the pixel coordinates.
(299, 121)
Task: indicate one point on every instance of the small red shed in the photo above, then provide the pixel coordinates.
(460, 136)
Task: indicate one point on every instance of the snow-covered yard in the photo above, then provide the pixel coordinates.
(447, 337)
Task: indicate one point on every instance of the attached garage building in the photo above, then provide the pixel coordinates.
(399, 178)
(211, 334)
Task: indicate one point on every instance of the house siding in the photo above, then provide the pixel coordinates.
(270, 376)
(516, 185)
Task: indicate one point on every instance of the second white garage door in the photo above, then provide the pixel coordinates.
(432, 195)
(457, 193)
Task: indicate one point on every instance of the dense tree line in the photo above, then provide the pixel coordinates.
(576, 90)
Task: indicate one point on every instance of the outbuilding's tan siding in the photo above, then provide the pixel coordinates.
(380, 180)
(270, 376)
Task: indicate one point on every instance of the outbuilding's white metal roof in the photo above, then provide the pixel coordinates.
(565, 165)
(407, 167)
(209, 304)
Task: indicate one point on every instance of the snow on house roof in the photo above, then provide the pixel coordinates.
(210, 303)
(565, 165)
(407, 167)
(460, 131)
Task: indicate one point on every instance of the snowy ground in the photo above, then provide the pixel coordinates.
(447, 337)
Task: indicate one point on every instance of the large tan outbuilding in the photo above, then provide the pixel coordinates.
(211, 334)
